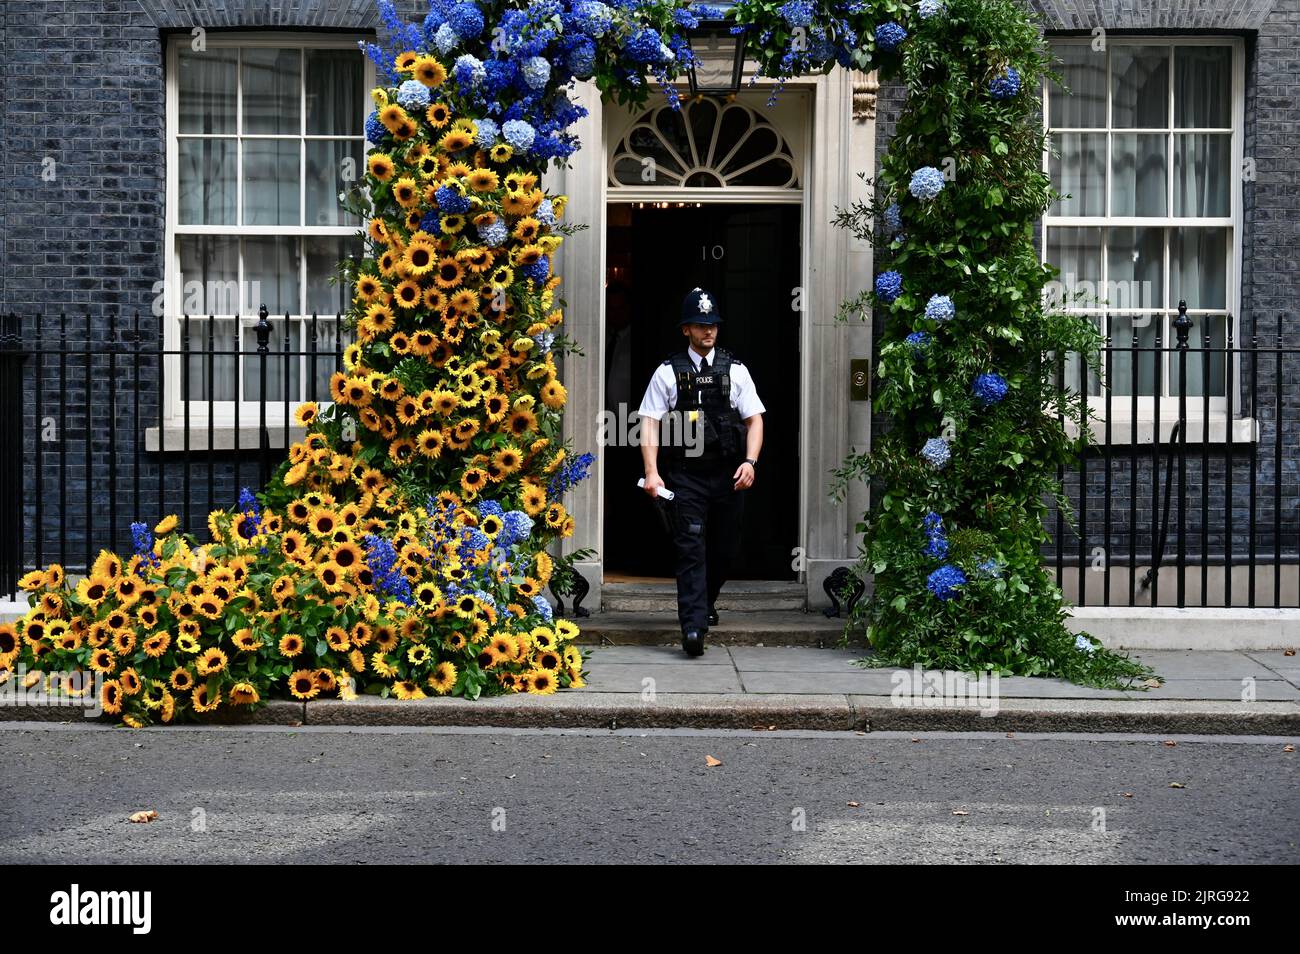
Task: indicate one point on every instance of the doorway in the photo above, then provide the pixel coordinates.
(749, 256)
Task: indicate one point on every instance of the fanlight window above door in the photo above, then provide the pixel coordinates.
(703, 145)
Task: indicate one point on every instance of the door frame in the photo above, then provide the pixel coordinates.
(834, 266)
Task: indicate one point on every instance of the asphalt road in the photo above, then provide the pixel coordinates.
(436, 795)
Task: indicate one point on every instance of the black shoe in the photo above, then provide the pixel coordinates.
(713, 616)
(693, 642)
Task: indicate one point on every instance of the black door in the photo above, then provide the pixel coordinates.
(748, 256)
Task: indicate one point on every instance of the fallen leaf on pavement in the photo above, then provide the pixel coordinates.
(1153, 683)
(1170, 742)
(1126, 794)
(1288, 748)
(853, 804)
(141, 818)
(958, 811)
(1177, 785)
(1288, 652)
(710, 761)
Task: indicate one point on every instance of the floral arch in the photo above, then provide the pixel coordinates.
(402, 548)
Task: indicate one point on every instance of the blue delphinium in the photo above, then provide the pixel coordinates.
(518, 133)
(1006, 85)
(797, 13)
(249, 506)
(936, 545)
(412, 94)
(989, 388)
(381, 559)
(570, 472)
(929, 8)
(927, 182)
(889, 285)
(936, 453)
(940, 308)
(894, 218)
(889, 36)
(918, 341)
(944, 581)
(142, 538)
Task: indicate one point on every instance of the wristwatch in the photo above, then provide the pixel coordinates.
(751, 462)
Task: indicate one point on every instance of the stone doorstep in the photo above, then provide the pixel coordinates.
(829, 712)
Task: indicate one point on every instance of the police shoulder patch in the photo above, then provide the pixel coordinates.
(731, 356)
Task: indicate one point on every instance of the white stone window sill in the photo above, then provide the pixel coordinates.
(220, 438)
(1125, 431)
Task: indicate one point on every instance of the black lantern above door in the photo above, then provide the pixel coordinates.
(718, 54)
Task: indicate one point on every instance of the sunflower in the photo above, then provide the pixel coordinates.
(547, 659)
(322, 522)
(381, 167)
(543, 637)
(123, 641)
(541, 682)
(419, 655)
(101, 660)
(407, 295)
(473, 480)
(429, 442)
(438, 115)
(565, 629)
(449, 273)
(393, 117)
(245, 640)
(331, 576)
(244, 694)
(400, 451)
(406, 61)
(501, 152)
(455, 640)
(407, 689)
(406, 192)
(291, 645)
(110, 696)
(533, 500)
(382, 666)
(483, 180)
(200, 700)
(554, 395)
(419, 258)
(385, 637)
(455, 140)
(555, 515)
(326, 681)
(443, 678)
(521, 421)
(337, 638)
(302, 684)
(494, 408)
(429, 71)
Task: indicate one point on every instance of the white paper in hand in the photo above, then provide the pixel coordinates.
(661, 492)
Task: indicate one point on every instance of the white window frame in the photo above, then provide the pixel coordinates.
(223, 412)
(1143, 429)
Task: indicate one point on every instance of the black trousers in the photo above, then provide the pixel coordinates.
(706, 516)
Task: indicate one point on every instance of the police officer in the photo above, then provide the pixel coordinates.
(702, 423)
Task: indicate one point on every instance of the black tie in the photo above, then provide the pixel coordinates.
(704, 365)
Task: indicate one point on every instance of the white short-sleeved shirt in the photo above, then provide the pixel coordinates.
(662, 392)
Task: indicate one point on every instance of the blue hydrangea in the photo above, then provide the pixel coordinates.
(413, 94)
(450, 201)
(944, 581)
(894, 217)
(538, 271)
(545, 213)
(1006, 85)
(494, 234)
(490, 508)
(929, 8)
(644, 46)
(918, 340)
(889, 36)
(582, 59)
(488, 131)
(537, 72)
(989, 567)
(486, 598)
(936, 453)
(927, 182)
(545, 341)
(544, 608)
(889, 285)
(518, 133)
(1084, 644)
(989, 388)
(468, 71)
(466, 19)
(593, 18)
(375, 130)
(940, 308)
(797, 13)
(446, 39)
(431, 222)
(936, 546)
(515, 526)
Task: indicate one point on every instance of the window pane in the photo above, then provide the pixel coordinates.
(1139, 87)
(274, 365)
(1077, 253)
(272, 91)
(1079, 173)
(1083, 71)
(323, 258)
(206, 85)
(1138, 171)
(271, 181)
(334, 105)
(1198, 267)
(333, 166)
(1203, 174)
(206, 182)
(1214, 325)
(1203, 87)
(209, 274)
(1135, 269)
(271, 274)
(209, 371)
(1122, 329)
